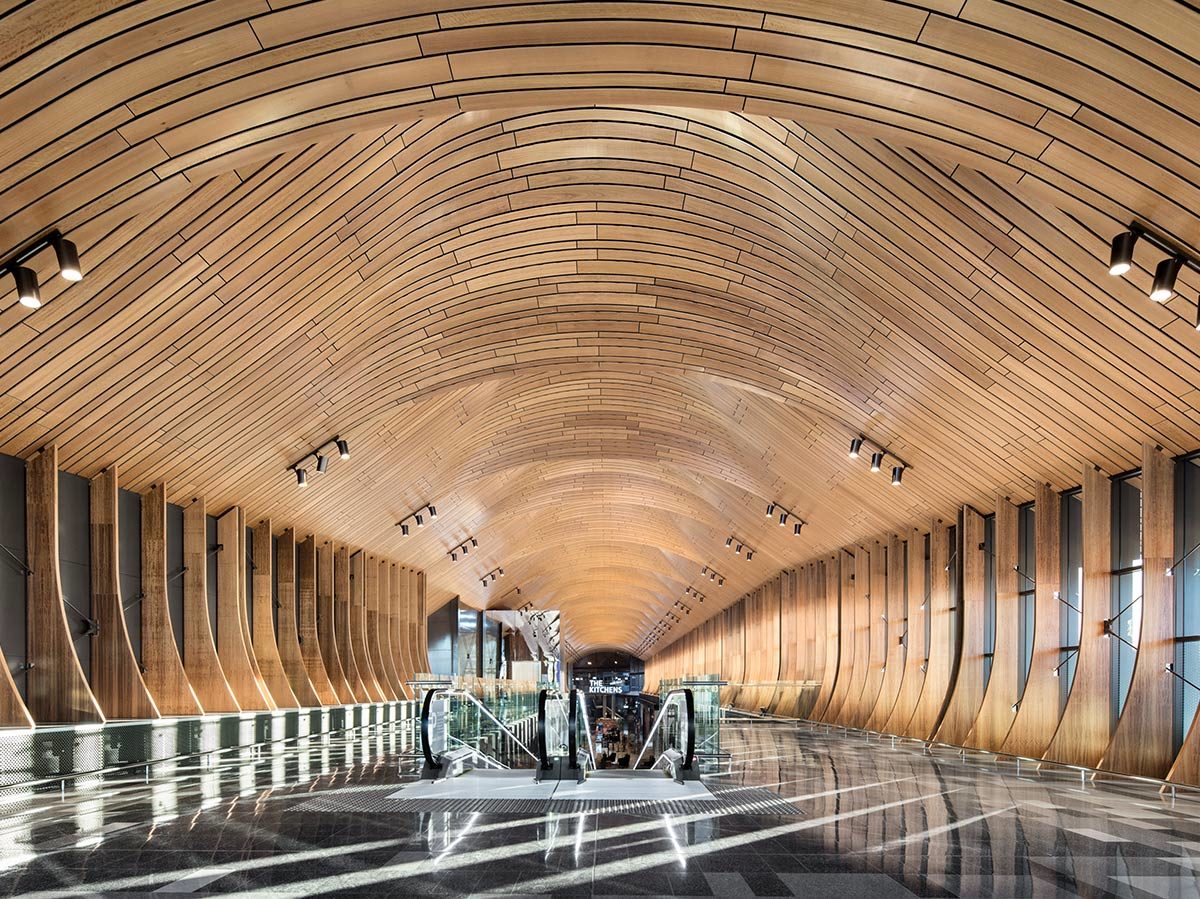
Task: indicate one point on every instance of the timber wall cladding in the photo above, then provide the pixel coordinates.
(191, 677)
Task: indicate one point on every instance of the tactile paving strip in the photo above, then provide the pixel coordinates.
(730, 799)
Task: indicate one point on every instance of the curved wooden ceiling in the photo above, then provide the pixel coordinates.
(598, 280)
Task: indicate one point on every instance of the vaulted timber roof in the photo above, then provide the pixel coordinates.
(599, 280)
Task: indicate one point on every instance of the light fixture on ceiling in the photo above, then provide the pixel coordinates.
(319, 456)
(490, 577)
(783, 519)
(728, 542)
(1120, 259)
(29, 293)
(878, 454)
(343, 447)
(897, 474)
(301, 477)
(855, 447)
(415, 516)
(1164, 279)
(796, 528)
(786, 514)
(876, 461)
(770, 510)
(432, 512)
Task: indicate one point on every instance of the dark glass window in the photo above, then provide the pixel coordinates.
(1186, 577)
(989, 596)
(1026, 586)
(1071, 593)
(1126, 624)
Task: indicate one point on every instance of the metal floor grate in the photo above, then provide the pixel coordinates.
(730, 799)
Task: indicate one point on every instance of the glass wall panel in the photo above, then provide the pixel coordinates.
(1186, 576)
(1126, 624)
(1070, 617)
(1026, 585)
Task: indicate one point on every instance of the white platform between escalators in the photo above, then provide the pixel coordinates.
(601, 786)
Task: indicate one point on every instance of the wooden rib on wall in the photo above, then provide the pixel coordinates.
(874, 568)
(996, 713)
(56, 689)
(940, 661)
(837, 584)
(1143, 741)
(1085, 728)
(162, 665)
(857, 583)
(347, 647)
(387, 656)
(792, 618)
(329, 622)
(420, 622)
(394, 629)
(116, 681)
(358, 628)
(369, 571)
(233, 644)
(898, 616)
(1041, 706)
(287, 636)
(310, 642)
(401, 616)
(262, 628)
(824, 584)
(200, 658)
(968, 683)
(915, 650)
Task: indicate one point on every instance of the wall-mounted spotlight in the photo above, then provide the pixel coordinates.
(29, 293)
(416, 517)
(1120, 260)
(318, 455)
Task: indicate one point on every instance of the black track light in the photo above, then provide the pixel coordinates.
(474, 542)
(493, 577)
(453, 556)
(432, 512)
(403, 530)
(704, 570)
(322, 463)
(68, 259)
(420, 521)
(728, 542)
(501, 572)
(783, 519)
(770, 510)
(301, 477)
(720, 583)
(712, 576)
(738, 551)
(796, 528)
(749, 554)
(897, 474)
(855, 447)
(1164, 279)
(343, 448)
(28, 292)
(876, 461)
(1121, 258)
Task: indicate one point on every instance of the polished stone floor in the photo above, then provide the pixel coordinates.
(869, 820)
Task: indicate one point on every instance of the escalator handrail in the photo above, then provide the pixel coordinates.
(434, 764)
(689, 709)
(572, 743)
(543, 756)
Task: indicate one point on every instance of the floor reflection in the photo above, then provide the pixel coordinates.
(871, 820)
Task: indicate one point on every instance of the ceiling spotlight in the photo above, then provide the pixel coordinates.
(704, 570)
(700, 598)
(68, 259)
(403, 530)
(453, 556)
(484, 582)
(855, 446)
(749, 554)
(343, 448)
(493, 577)
(897, 474)
(501, 572)
(466, 550)
(720, 583)
(728, 542)
(770, 510)
(301, 477)
(322, 463)
(432, 512)
(28, 293)
(1164, 279)
(420, 521)
(1121, 259)
(738, 551)
(712, 576)
(876, 461)
(783, 519)
(796, 528)
(474, 542)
